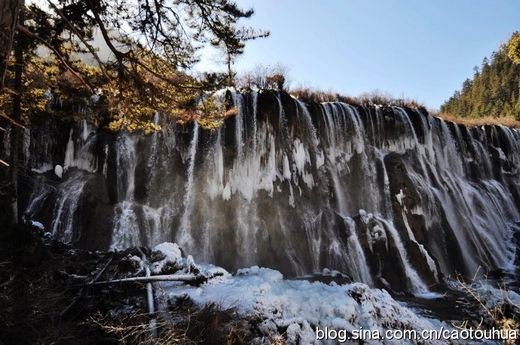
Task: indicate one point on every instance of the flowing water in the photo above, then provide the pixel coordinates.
(392, 197)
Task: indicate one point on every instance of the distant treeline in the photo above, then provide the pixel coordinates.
(494, 90)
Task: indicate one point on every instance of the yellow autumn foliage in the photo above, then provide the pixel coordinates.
(38, 78)
(131, 105)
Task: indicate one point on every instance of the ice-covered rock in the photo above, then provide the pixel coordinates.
(131, 266)
(37, 225)
(58, 171)
(297, 307)
(400, 196)
(167, 258)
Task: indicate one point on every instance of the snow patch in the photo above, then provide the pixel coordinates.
(44, 168)
(167, 257)
(37, 225)
(58, 171)
(298, 305)
(171, 256)
(400, 196)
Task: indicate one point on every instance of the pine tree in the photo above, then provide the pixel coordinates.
(153, 45)
(494, 89)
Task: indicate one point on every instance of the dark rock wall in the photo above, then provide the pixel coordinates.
(391, 196)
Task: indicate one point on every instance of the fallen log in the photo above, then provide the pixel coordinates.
(186, 278)
(83, 292)
(149, 295)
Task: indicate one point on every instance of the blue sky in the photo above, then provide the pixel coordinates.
(417, 49)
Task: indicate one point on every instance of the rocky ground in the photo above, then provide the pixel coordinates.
(51, 293)
(45, 299)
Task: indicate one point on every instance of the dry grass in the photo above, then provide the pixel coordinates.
(137, 329)
(36, 290)
(278, 340)
(312, 95)
(503, 316)
(209, 325)
(372, 98)
(481, 121)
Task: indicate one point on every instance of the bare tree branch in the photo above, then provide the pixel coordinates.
(85, 43)
(118, 54)
(26, 32)
(11, 120)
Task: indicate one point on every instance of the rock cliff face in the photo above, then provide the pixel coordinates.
(394, 197)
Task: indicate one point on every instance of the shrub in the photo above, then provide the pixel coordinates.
(265, 78)
(375, 97)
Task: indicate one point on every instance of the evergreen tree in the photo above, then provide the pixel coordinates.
(494, 89)
(513, 48)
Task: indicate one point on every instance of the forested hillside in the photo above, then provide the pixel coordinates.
(493, 91)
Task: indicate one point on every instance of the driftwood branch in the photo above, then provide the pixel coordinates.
(83, 292)
(149, 296)
(151, 303)
(186, 278)
(4, 163)
(101, 271)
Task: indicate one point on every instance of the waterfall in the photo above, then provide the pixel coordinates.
(65, 210)
(126, 226)
(185, 237)
(416, 283)
(392, 197)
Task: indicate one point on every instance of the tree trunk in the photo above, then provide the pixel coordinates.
(186, 278)
(17, 86)
(16, 132)
(9, 10)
